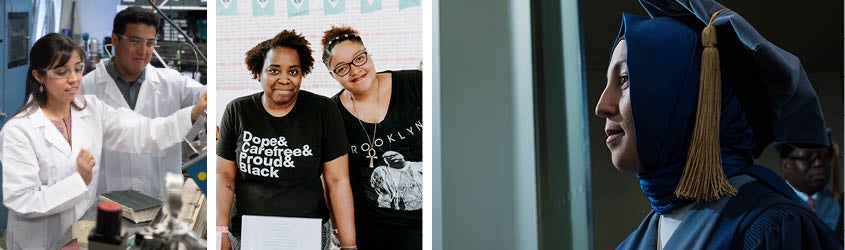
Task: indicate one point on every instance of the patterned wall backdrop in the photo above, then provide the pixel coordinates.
(391, 30)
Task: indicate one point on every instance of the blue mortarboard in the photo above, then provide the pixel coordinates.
(770, 82)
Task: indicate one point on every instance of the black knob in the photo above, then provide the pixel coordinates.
(108, 224)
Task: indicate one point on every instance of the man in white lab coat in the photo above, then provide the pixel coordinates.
(128, 80)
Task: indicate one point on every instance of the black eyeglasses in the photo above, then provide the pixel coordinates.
(344, 68)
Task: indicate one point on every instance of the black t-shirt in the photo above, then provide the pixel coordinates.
(384, 194)
(280, 159)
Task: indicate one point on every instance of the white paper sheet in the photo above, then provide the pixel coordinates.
(280, 233)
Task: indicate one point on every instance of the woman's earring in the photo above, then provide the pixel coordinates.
(41, 88)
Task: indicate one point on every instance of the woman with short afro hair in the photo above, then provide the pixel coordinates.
(275, 146)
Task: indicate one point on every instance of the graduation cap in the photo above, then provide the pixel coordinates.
(770, 83)
(784, 148)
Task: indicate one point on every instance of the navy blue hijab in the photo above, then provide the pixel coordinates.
(664, 58)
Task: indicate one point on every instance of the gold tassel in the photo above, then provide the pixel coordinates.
(703, 178)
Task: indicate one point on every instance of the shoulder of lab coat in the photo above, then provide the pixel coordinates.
(189, 90)
(127, 131)
(94, 79)
(23, 189)
(100, 83)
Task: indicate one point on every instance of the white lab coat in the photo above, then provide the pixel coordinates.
(41, 186)
(163, 92)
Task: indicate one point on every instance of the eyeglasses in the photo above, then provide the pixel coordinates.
(811, 158)
(135, 42)
(344, 68)
(64, 72)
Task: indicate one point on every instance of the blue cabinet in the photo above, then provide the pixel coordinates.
(14, 60)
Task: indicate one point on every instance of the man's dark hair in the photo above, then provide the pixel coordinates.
(134, 14)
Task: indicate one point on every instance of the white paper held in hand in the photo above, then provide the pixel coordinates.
(280, 233)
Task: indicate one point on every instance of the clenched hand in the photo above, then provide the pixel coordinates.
(85, 165)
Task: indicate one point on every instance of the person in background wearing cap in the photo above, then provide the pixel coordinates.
(808, 172)
(689, 127)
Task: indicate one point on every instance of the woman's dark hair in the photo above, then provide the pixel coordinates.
(51, 50)
(134, 14)
(334, 36)
(254, 58)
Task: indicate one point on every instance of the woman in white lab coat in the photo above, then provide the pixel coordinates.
(50, 148)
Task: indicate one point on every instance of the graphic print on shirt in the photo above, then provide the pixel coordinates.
(413, 130)
(266, 156)
(399, 183)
